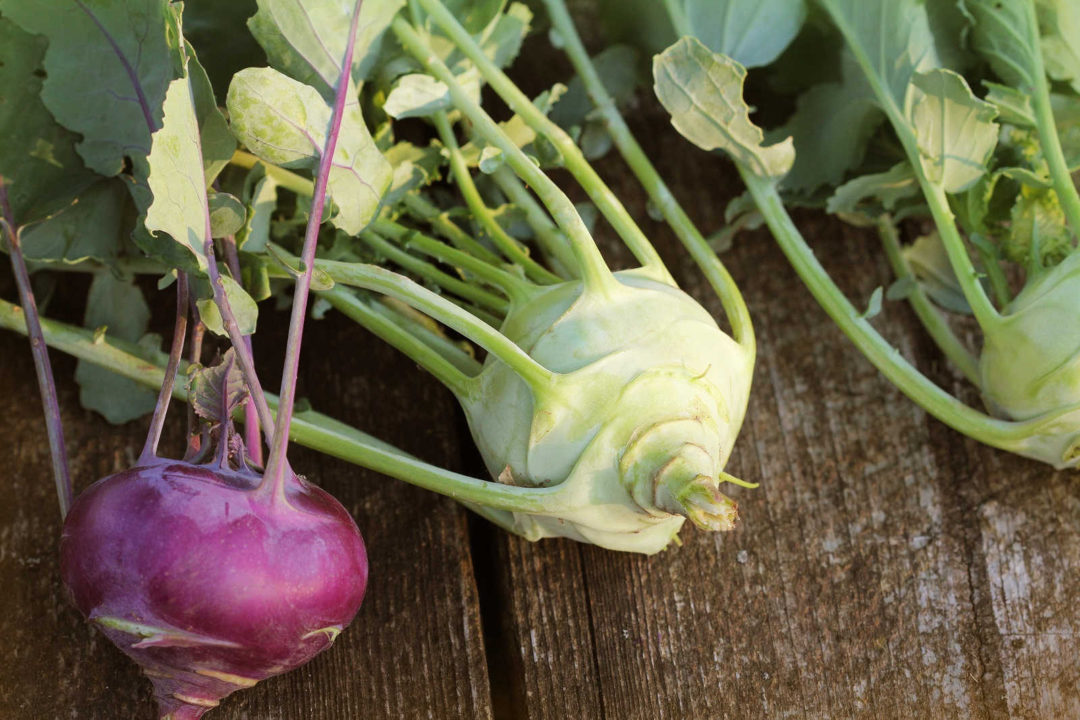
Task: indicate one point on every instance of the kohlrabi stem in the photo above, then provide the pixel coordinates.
(310, 429)
(507, 245)
(595, 273)
(276, 464)
(991, 264)
(232, 328)
(684, 228)
(1044, 122)
(381, 280)
(405, 342)
(426, 330)
(421, 209)
(429, 272)
(885, 357)
(515, 288)
(679, 21)
(252, 431)
(551, 240)
(579, 167)
(46, 383)
(930, 317)
(157, 421)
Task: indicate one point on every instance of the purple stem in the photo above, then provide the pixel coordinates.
(252, 432)
(247, 365)
(46, 383)
(132, 75)
(157, 422)
(277, 462)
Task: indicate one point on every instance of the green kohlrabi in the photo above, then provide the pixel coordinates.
(894, 129)
(607, 403)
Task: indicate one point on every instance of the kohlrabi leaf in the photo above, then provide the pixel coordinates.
(260, 198)
(305, 39)
(219, 390)
(617, 66)
(1000, 34)
(474, 15)
(1061, 42)
(1066, 109)
(891, 40)
(227, 214)
(108, 66)
(414, 167)
(177, 178)
(1038, 234)
(218, 144)
(703, 93)
(416, 95)
(90, 228)
(37, 156)
(117, 305)
(284, 122)
(955, 130)
(883, 190)
(831, 126)
(929, 263)
(242, 305)
(750, 32)
(873, 305)
(1013, 106)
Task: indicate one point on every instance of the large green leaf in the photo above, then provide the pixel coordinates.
(955, 130)
(285, 122)
(108, 66)
(702, 91)
(1000, 34)
(218, 144)
(751, 32)
(91, 228)
(305, 39)
(117, 305)
(37, 156)
(1061, 42)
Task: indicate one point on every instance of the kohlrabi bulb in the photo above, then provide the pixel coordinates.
(635, 426)
(1030, 362)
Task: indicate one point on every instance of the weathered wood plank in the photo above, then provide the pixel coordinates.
(886, 566)
(416, 648)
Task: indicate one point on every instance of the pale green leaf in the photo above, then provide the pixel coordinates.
(751, 32)
(243, 308)
(929, 263)
(227, 214)
(119, 307)
(955, 130)
(1061, 42)
(260, 197)
(218, 144)
(1013, 106)
(873, 307)
(177, 178)
(884, 190)
(703, 93)
(285, 122)
(108, 67)
(416, 95)
(1000, 34)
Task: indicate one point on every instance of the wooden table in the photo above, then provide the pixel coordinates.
(887, 567)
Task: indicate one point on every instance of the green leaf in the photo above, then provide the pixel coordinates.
(930, 265)
(108, 67)
(703, 93)
(243, 307)
(219, 390)
(284, 122)
(1061, 42)
(750, 32)
(617, 67)
(305, 39)
(886, 189)
(416, 95)
(218, 144)
(831, 126)
(474, 15)
(873, 307)
(91, 228)
(37, 156)
(1037, 227)
(955, 130)
(890, 38)
(1066, 109)
(1000, 34)
(414, 167)
(1013, 106)
(117, 305)
(260, 197)
(227, 214)
(176, 178)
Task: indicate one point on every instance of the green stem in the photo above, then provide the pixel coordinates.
(311, 429)
(575, 161)
(595, 273)
(481, 212)
(420, 209)
(991, 265)
(1048, 136)
(886, 358)
(381, 280)
(513, 286)
(717, 275)
(552, 241)
(425, 329)
(384, 328)
(428, 271)
(929, 315)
